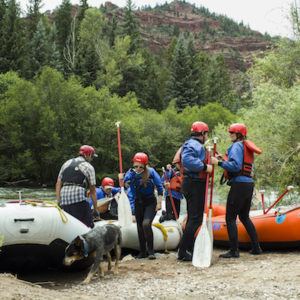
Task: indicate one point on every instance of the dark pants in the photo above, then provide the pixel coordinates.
(194, 192)
(144, 215)
(169, 208)
(238, 204)
(81, 211)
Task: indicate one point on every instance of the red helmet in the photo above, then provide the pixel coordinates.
(199, 127)
(86, 149)
(107, 182)
(141, 158)
(238, 128)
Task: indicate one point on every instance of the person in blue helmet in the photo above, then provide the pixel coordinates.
(238, 168)
(175, 193)
(108, 194)
(142, 181)
(194, 158)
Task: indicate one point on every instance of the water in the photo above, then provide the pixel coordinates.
(42, 194)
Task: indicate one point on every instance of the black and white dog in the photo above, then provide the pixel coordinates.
(100, 240)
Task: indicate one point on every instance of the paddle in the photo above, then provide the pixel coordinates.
(209, 224)
(124, 210)
(202, 249)
(172, 201)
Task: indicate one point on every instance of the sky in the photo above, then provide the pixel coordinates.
(271, 16)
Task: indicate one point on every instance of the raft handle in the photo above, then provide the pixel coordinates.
(24, 220)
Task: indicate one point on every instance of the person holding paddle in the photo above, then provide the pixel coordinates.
(176, 194)
(194, 159)
(106, 198)
(142, 181)
(238, 168)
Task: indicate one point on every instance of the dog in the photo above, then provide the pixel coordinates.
(98, 241)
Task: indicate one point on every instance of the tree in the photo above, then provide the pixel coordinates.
(33, 17)
(181, 85)
(12, 47)
(131, 27)
(54, 57)
(39, 49)
(219, 85)
(63, 20)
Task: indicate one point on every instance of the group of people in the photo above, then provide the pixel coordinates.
(145, 190)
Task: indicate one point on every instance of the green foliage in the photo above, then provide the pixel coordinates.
(280, 67)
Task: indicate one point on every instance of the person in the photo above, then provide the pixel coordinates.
(74, 177)
(142, 181)
(108, 210)
(241, 184)
(195, 168)
(175, 193)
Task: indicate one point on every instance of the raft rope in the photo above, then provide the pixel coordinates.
(164, 231)
(49, 204)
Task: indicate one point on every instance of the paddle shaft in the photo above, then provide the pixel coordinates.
(169, 189)
(178, 178)
(276, 201)
(212, 176)
(120, 155)
(206, 187)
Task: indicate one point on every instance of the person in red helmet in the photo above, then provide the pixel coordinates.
(142, 181)
(238, 169)
(193, 158)
(108, 194)
(75, 176)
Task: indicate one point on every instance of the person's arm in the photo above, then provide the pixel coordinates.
(93, 195)
(158, 184)
(57, 189)
(192, 158)
(235, 159)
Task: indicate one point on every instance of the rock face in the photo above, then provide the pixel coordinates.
(210, 35)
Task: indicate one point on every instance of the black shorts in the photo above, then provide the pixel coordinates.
(81, 211)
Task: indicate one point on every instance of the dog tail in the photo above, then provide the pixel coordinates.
(119, 237)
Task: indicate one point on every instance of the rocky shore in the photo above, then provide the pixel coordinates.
(272, 275)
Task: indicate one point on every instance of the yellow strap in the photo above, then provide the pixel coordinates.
(50, 204)
(164, 232)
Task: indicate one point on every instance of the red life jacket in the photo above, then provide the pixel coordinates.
(246, 170)
(177, 160)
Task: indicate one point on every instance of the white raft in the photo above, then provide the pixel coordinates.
(35, 233)
(166, 236)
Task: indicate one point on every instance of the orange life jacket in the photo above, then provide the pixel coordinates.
(177, 160)
(175, 183)
(246, 170)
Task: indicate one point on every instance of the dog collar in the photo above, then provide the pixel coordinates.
(85, 246)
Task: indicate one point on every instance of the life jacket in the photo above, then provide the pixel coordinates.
(72, 175)
(176, 181)
(177, 158)
(247, 166)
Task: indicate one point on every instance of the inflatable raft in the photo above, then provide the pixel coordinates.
(35, 234)
(275, 230)
(166, 235)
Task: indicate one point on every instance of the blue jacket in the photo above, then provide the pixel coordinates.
(135, 181)
(101, 194)
(175, 194)
(235, 162)
(192, 157)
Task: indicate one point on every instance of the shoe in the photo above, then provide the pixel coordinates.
(151, 256)
(163, 216)
(230, 254)
(141, 255)
(256, 250)
(186, 257)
